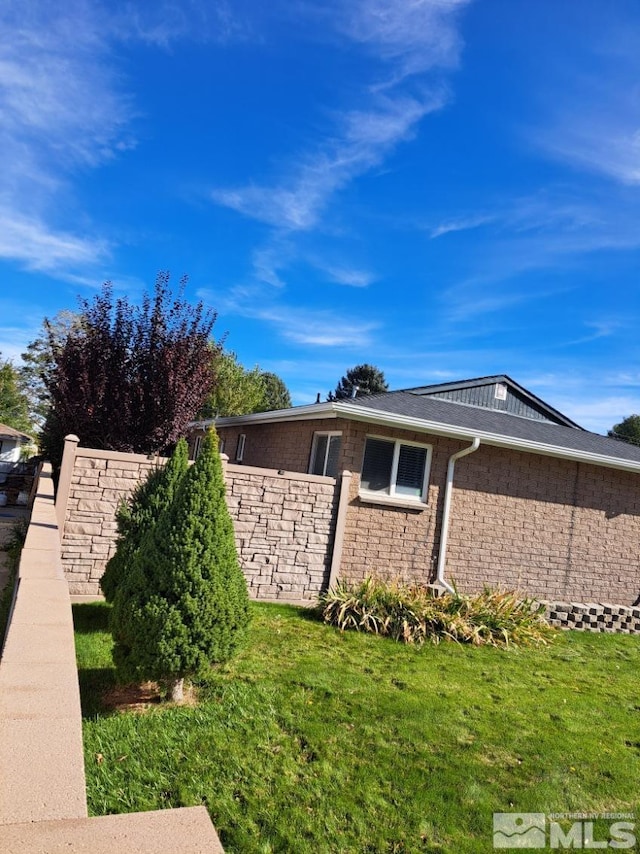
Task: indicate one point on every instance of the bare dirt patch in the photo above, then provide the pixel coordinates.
(141, 698)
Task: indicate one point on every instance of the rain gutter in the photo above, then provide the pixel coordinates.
(446, 512)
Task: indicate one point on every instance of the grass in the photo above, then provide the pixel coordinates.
(313, 740)
(13, 550)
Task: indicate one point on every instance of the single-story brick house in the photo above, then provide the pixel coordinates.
(475, 482)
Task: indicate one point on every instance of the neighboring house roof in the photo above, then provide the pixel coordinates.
(426, 412)
(7, 432)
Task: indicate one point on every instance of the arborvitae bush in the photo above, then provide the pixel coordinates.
(184, 605)
(140, 513)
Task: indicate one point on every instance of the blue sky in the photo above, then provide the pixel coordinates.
(444, 188)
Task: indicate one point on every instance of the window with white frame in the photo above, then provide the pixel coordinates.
(221, 445)
(197, 445)
(324, 454)
(395, 468)
(242, 438)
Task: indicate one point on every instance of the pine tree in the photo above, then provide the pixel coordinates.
(365, 379)
(628, 430)
(184, 605)
(138, 515)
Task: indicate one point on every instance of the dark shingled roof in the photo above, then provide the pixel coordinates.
(503, 424)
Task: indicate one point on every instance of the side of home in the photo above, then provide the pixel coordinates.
(447, 491)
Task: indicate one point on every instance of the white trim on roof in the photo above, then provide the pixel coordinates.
(338, 409)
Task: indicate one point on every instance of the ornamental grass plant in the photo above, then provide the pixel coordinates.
(414, 614)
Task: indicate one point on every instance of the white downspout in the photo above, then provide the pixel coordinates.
(446, 512)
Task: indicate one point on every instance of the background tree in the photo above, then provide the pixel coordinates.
(237, 391)
(241, 391)
(276, 394)
(184, 604)
(138, 515)
(628, 430)
(130, 378)
(369, 379)
(14, 405)
(38, 362)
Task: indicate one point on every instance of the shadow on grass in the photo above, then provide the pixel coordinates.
(91, 617)
(95, 684)
(302, 612)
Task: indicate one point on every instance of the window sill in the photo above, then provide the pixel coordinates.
(392, 501)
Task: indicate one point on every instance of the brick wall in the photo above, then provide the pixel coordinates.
(386, 540)
(559, 530)
(284, 523)
(275, 446)
(554, 529)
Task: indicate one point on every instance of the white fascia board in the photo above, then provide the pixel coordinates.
(437, 428)
(296, 413)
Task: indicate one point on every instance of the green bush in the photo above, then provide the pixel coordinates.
(413, 614)
(184, 604)
(137, 516)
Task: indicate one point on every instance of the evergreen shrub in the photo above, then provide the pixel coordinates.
(184, 605)
(140, 513)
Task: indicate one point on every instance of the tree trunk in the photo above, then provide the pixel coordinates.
(176, 690)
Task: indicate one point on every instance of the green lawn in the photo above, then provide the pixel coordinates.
(316, 741)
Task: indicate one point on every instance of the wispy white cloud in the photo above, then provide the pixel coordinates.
(164, 22)
(320, 328)
(462, 224)
(410, 45)
(610, 146)
(65, 107)
(551, 230)
(34, 244)
(410, 38)
(413, 36)
(366, 137)
(300, 325)
(591, 118)
(350, 276)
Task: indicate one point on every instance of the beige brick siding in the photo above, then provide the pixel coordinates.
(385, 540)
(552, 528)
(556, 529)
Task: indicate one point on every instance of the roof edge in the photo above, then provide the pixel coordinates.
(352, 411)
(295, 413)
(487, 438)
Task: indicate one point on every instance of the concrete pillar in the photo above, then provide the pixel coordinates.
(338, 538)
(64, 483)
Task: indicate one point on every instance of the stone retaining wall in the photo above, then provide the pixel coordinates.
(284, 523)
